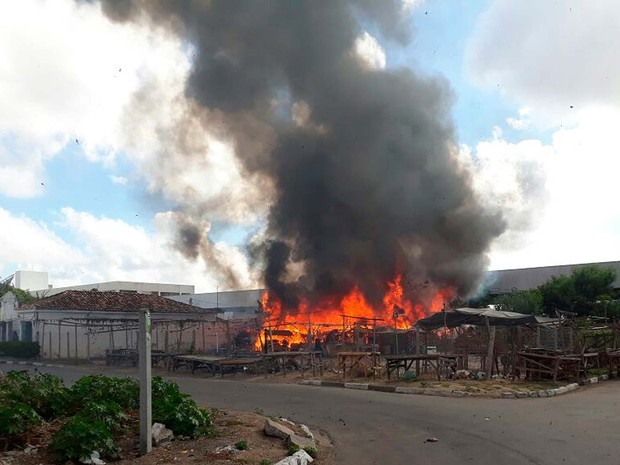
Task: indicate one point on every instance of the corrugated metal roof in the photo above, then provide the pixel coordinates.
(500, 281)
(110, 301)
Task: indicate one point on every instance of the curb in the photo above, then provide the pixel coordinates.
(438, 392)
(30, 364)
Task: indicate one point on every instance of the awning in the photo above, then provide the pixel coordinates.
(479, 317)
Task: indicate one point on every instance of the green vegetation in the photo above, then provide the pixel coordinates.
(96, 411)
(265, 462)
(292, 449)
(408, 376)
(587, 291)
(19, 349)
(241, 445)
(311, 451)
(80, 436)
(22, 296)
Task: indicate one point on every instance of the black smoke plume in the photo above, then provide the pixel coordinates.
(363, 162)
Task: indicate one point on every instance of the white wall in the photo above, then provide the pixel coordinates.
(162, 289)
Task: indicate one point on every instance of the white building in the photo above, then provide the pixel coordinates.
(161, 289)
(10, 328)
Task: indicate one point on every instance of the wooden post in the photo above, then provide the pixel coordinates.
(42, 337)
(144, 351)
(417, 341)
(204, 344)
(490, 347)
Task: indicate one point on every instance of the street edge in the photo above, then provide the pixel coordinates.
(30, 364)
(441, 393)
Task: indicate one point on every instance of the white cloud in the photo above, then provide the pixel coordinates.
(105, 249)
(370, 51)
(66, 76)
(558, 197)
(122, 180)
(409, 5)
(522, 122)
(556, 57)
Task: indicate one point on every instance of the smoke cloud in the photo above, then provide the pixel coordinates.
(361, 163)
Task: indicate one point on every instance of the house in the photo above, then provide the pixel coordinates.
(86, 324)
(10, 329)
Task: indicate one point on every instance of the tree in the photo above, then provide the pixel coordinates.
(582, 292)
(529, 302)
(22, 296)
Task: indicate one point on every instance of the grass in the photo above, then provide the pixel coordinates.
(241, 445)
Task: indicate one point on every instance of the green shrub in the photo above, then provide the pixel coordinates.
(311, 451)
(45, 393)
(17, 418)
(265, 462)
(292, 449)
(241, 445)
(98, 388)
(183, 418)
(408, 376)
(79, 437)
(108, 412)
(20, 349)
(178, 411)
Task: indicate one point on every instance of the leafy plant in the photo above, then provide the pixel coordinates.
(43, 392)
(241, 445)
(178, 411)
(17, 418)
(98, 388)
(292, 449)
(80, 436)
(184, 418)
(265, 462)
(108, 412)
(311, 451)
(408, 376)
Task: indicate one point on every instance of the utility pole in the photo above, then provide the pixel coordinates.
(144, 347)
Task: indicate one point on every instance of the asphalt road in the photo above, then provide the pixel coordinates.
(370, 427)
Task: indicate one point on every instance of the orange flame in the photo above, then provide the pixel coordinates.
(297, 328)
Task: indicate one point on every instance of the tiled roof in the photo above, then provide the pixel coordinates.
(110, 301)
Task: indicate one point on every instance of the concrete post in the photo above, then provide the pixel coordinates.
(144, 348)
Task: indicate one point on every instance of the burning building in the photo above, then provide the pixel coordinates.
(369, 214)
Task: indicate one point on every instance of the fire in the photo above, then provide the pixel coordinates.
(293, 329)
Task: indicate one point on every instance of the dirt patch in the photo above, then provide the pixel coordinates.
(232, 428)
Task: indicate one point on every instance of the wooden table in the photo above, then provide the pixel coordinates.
(613, 359)
(537, 364)
(361, 360)
(439, 362)
(213, 364)
(121, 356)
(301, 360)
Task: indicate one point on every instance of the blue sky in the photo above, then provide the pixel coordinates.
(99, 208)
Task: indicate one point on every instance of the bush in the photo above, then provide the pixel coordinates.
(241, 445)
(184, 418)
(408, 376)
(108, 412)
(178, 411)
(311, 451)
(17, 418)
(98, 388)
(80, 436)
(19, 349)
(43, 392)
(292, 449)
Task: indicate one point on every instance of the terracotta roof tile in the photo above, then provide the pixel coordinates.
(110, 301)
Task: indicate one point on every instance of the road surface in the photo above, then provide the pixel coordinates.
(370, 427)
